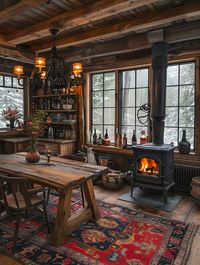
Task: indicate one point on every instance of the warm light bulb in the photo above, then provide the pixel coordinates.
(18, 70)
(43, 75)
(77, 69)
(40, 62)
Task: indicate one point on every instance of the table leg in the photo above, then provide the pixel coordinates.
(62, 217)
(90, 198)
(65, 223)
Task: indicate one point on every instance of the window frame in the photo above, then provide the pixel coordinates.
(4, 75)
(103, 107)
(178, 106)
(136, 107)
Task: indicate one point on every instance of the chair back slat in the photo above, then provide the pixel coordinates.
(17, 187)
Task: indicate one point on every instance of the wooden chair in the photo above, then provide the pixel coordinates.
(19, 199)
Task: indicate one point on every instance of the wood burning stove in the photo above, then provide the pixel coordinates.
(154, 162)
(153, 167)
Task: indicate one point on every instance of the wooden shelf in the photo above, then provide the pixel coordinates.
(53, 106)
(62, 123)
(54, 95)
(58, 110)
(56, 140)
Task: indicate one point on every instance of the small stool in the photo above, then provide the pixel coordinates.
(195, 192)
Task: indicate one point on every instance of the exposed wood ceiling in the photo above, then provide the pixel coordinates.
(93, 28)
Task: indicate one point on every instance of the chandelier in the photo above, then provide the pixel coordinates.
(52, 74)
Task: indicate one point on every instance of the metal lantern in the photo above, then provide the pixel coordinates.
(40, 62)
(77, 69)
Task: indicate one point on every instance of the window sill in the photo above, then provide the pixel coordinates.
(111, 149)
(6, 133)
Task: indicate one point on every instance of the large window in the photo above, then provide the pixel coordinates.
(134, 92)
(12, 95)
(103, 103)
(180, 102)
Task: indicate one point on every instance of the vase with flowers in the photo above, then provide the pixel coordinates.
(12, 115)
(33, 128)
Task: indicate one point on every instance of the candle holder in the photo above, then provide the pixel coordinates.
(48, 153)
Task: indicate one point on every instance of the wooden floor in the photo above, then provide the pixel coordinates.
(187, 210)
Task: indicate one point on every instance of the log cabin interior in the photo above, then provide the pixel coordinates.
(100, 125)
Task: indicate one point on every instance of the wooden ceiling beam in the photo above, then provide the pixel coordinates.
(144, 22)
(75, 18)
(18, 8)
(177, 52)
(131, 43)
(2, 39)
(14, 54)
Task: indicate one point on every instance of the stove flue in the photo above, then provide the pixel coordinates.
(154, 162)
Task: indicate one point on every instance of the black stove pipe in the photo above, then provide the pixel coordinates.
(158, 100)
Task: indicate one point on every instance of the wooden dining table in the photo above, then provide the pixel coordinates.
(64, 176)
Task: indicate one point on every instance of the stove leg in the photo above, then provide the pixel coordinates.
(165, 192)
(132, 187)
(172, 190)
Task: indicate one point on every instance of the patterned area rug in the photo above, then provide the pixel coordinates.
(122, 236)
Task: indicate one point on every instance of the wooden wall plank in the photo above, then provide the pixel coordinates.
(18, 8)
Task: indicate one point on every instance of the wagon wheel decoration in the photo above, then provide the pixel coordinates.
(143, 114)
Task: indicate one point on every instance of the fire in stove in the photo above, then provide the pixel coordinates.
(148, 166)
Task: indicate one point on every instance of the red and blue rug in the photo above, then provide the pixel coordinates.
(122, 236)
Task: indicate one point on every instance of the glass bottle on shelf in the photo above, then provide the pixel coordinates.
(73, 135)
(143, 137)
(95, 137)
(49, 104)
(116, 137)
(50, 133)
(99, 140)
(134, 139)
(120, 140)
(106, 134)
(124, 141)
(184, 145)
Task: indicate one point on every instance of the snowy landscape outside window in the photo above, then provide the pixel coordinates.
(180, 103)
(103, 104)
(134, 94)
(12, 95)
